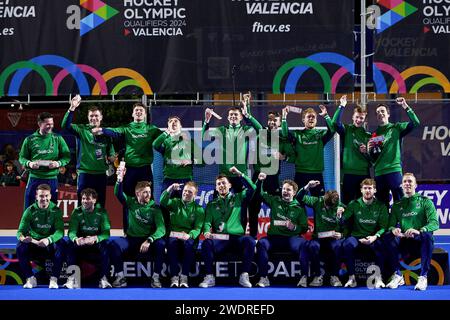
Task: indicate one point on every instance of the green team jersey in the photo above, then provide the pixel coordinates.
(44, 147)
(282, 210)
(389, 160)
(184, 217)
(416, 212)
(83, 224)
(353, 161)
(139, 137)
(174, 149)
(92, 151)
(366, 219)
(324, 218)
(144, 220)
(42, 223)
(226, 215)
(308, 146)
(236, 137)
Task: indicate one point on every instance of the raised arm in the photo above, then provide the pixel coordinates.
(337, 117)
(66, 123)
(414, 121)
(330, 132)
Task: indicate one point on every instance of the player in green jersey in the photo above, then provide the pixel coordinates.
(355, 161)
(144, 232)
(42, 153)
(234, 141)
(178, 151)
(94, 152)
(366, 220)
(139, 137)
(309, 144)
(89, 231)
(270, 150)
(412, 222)
(327, 237)
(385, 150)
(224, 228)
(40, 232)
(288, 221)
(186, 222)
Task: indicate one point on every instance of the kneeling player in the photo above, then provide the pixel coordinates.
(186, 221)
(327, 235)
(412, 223)
(40, 232)
(287, 221)
(145, 230)
(224, 228)
(89, 231)
(367, 218)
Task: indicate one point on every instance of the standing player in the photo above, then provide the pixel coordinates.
(385, 150)
(327, 234)
(309, 144)
(94, 152)
(40, 231)
(144, 232)
(139, 137)
(234, 139)
(89, 231)
(412, 222)
(177, 151)
(43, 153)
(287, 222)
(367, 220)
(186, 221)
(224, 228)
(271, 150)
(355, 162)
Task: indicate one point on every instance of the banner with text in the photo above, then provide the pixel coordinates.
(411, 45)
(133, 46)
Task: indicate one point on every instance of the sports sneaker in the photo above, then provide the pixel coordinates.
(335, 282)
(30, 283)
(184, 281)
(379, 283)
(53, 284)
(396, 281)
(71, 283)
(155, 282)
(263, 282)
(244, 280)
(208, 281)
(174, 281)
(317, 281)
(104, 283)
(303, 282)
(119, 282)
(422, 284)
(351, 283)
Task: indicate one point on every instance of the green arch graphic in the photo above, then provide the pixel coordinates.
(301, 61)
(123, 84)
(424, 82)
(29, 65)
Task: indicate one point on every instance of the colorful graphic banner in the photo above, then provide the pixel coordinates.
(134, 46)
(411, 45)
